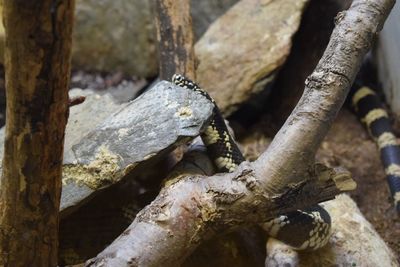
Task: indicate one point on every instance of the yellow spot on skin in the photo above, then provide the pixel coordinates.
(393, 169)
(361, 93)
(386, 139)
(211, 135)
(304, 245)
(224, 162)
(227, 142)
(374, 115)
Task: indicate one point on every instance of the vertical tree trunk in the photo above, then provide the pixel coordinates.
(175, 38)
(37, 63)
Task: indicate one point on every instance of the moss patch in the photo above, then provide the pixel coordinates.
(102, 171)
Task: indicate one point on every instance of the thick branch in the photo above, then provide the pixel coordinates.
(197, 207)
(175, 38)
(37, 63)
(193, 209)
(293, 148)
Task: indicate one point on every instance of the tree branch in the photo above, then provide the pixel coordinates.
(325, 91)
(284, 178)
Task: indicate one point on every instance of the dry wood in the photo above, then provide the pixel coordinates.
(195, 208)
(37, 63)
(175, 38)
(76, 100)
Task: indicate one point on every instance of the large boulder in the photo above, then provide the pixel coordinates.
(118, 35)
(354, 242)
(115, 35)
(243, 49)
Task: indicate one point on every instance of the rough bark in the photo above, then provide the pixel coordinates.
(195, 208)
(37, 63)
(175, 38)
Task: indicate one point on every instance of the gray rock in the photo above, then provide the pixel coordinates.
(243, 49)
(82, 120)
(115, 35)
(85, 117)
(151, 125)
(105, 141)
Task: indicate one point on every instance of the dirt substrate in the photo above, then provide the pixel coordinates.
(347, 145)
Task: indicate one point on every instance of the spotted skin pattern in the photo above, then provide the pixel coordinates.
(302, 229)
(369, 109)
(220, 145)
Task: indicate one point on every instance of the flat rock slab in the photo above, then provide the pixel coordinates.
(243, 49)
(100, 149)
(157, 121)
(82, 119)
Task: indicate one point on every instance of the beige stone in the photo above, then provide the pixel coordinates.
(245, 47)
(354, 242)
(119, 35)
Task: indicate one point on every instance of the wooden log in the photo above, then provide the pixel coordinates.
(175, 38)
(37, 63)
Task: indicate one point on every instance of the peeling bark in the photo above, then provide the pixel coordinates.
(37, 63)
(175, 38)
(282, 179)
